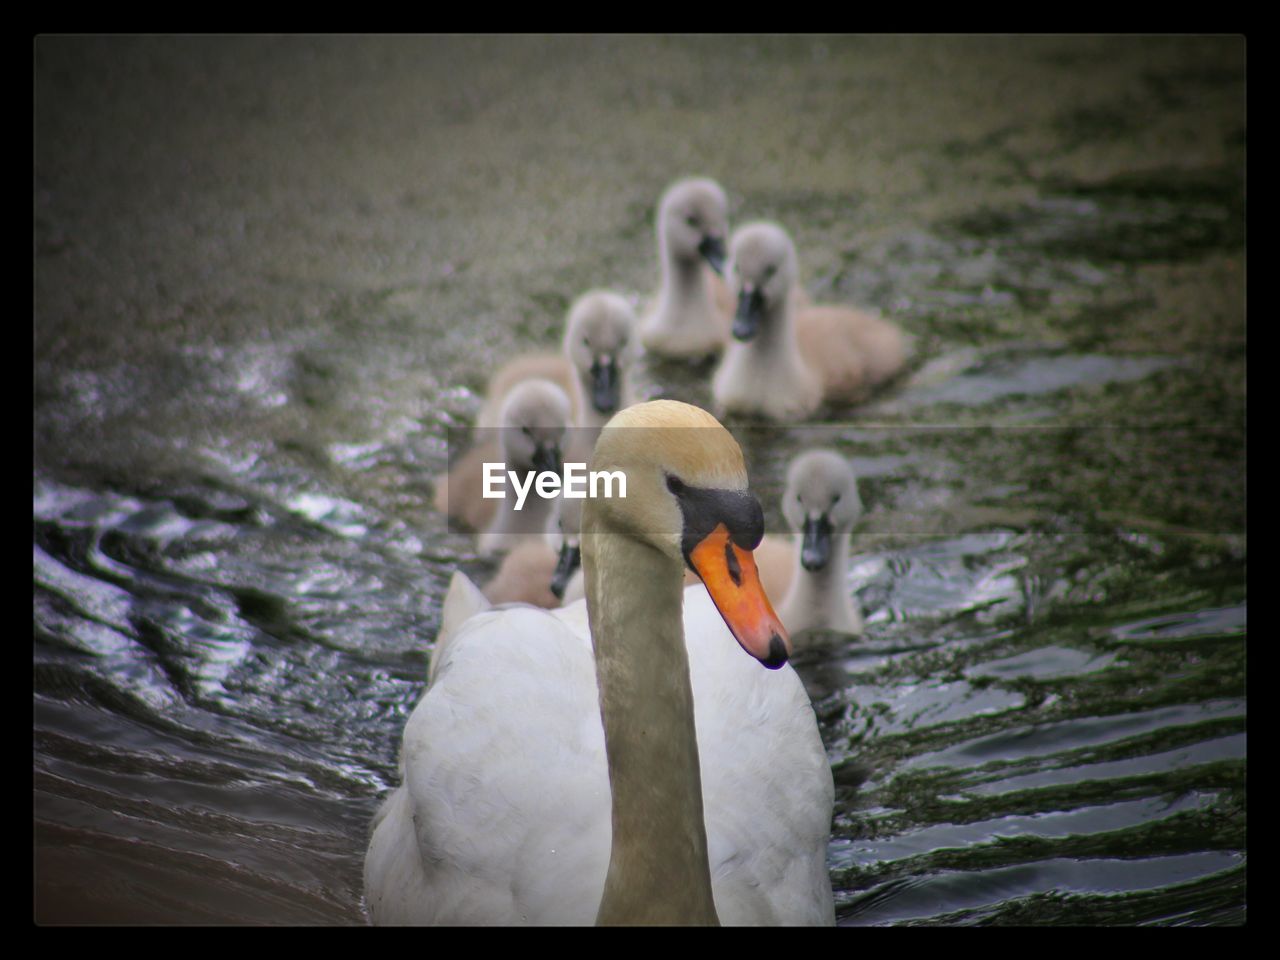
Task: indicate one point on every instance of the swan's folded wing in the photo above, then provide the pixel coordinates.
(462, 601)
(505, 801)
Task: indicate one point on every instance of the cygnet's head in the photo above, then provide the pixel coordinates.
(821, 501)
(693, 221)
(534, 418)
(762, 271)
(599, 339)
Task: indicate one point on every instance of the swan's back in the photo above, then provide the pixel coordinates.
(504, 814)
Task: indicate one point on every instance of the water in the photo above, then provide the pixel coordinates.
(272, 273)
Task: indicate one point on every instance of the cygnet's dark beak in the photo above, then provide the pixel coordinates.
(750, 315)
(606, 386)
(566, 567)
(546, 456)
(815, 547)
(712, 250)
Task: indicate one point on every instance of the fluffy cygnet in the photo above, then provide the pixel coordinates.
(821, 504)
(690, 315)
(534, 420)
(594, 366)
(788, 357)
(544, 572)
(525, 576)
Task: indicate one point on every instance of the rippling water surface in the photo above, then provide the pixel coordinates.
(272, 273)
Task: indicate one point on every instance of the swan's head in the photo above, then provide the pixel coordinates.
(687, 497)
(821, 501)
(693, 221)
(533, 421)
(762, 270)
(599, 339)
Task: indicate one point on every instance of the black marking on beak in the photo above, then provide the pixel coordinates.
(750, 316)
(606, 389)
(703, 509)
(731, 561)
(566, 567)
(815, 548)
(712, 250)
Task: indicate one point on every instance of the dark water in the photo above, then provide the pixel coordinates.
(271, 274)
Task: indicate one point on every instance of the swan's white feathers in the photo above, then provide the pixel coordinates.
(462, 601)
(526, 840)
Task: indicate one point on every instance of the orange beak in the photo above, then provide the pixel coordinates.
(731, 578)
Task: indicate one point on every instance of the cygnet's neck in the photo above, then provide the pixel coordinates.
(768, 371)
(820, 598)
(774, 347)
(509, 527)
(686, 290)
(776, 332)
(658, 866)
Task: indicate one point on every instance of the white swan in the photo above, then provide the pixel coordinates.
(534, 421)
(594, 367)
(821, 503)
(692, 311)
(658, 781)
(788, 357)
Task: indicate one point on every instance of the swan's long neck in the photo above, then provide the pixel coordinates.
(776, 339)
(658, 868)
